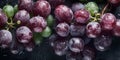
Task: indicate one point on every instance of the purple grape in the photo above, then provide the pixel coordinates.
(3, 19)
(77, 6)
(55, 3)
(93, 29)
(102, 43)
(42, 8)
(108, 21)
(23, 16)
(60, 46)
(77, 30)
(76, 44)
(37, 24)
(63, 13)
(62, 29)
(25, 4)
(24, 34)
(82, 16)
(116, 30)
(5, 38)
(88, 54)
(73, 56)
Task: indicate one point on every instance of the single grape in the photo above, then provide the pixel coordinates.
(102, 43)
(29, 46)
(42, 8)
(92, 7)
(82, 16)
(76, 44)
(8, 10)
(37, 24)
(63, 13)
(116, 30)
(24, 34)
(60, 46)
(88, 54)
(3, 19)
(93, 29)
(37, 38)
(115, 2)
(5, 38)
(22, 17)
(108, 21)
(77, 30)
(62, 29)
(55, 3)
(50, 20)
(25, 5)
(47, 32)
(73, 56)
(77, 6)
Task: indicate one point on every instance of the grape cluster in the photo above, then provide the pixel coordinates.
(70, 30)
(22, 26)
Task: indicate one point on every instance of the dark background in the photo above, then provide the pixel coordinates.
(45, 52)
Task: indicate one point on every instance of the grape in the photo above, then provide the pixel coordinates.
(60, 46)
(42, 8)
(29, 46)
(3, 19)
(37, 38)
(55, 3)
(5, 38)
(116, 30)
(25, 4)
(24, 34)
(88, 54)
(93, 29)
(52, 38)
(102, 43)
(62, 29)
(108, 21)
(92, 8)
(46, 32)
(77, 30)
(114, 1)
(22, 16)
(8, 10)
(82, 16)
(76, 44)
(50, 20)
(63, 13)
(73, 56)
(15, 9)
(77, 6)
(37, 24)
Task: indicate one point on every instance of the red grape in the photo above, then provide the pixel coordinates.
(82, 16)
(77, 6)
(116, 30)
(42, 8)
(93, 29)
(63, 13)
(3, 19)
(37, 24)
(102, 43)
(55, 3)
(108, 21)
(24, 34)
(77, 30)
(23, 16)
(76, 44)
(25, 4)
(5, 38)
(62, 29)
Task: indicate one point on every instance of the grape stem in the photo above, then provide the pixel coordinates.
(104, 9)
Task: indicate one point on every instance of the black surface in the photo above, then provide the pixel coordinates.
(45, 52)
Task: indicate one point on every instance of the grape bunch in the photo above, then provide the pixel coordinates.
(22, 27)
(76, 31)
